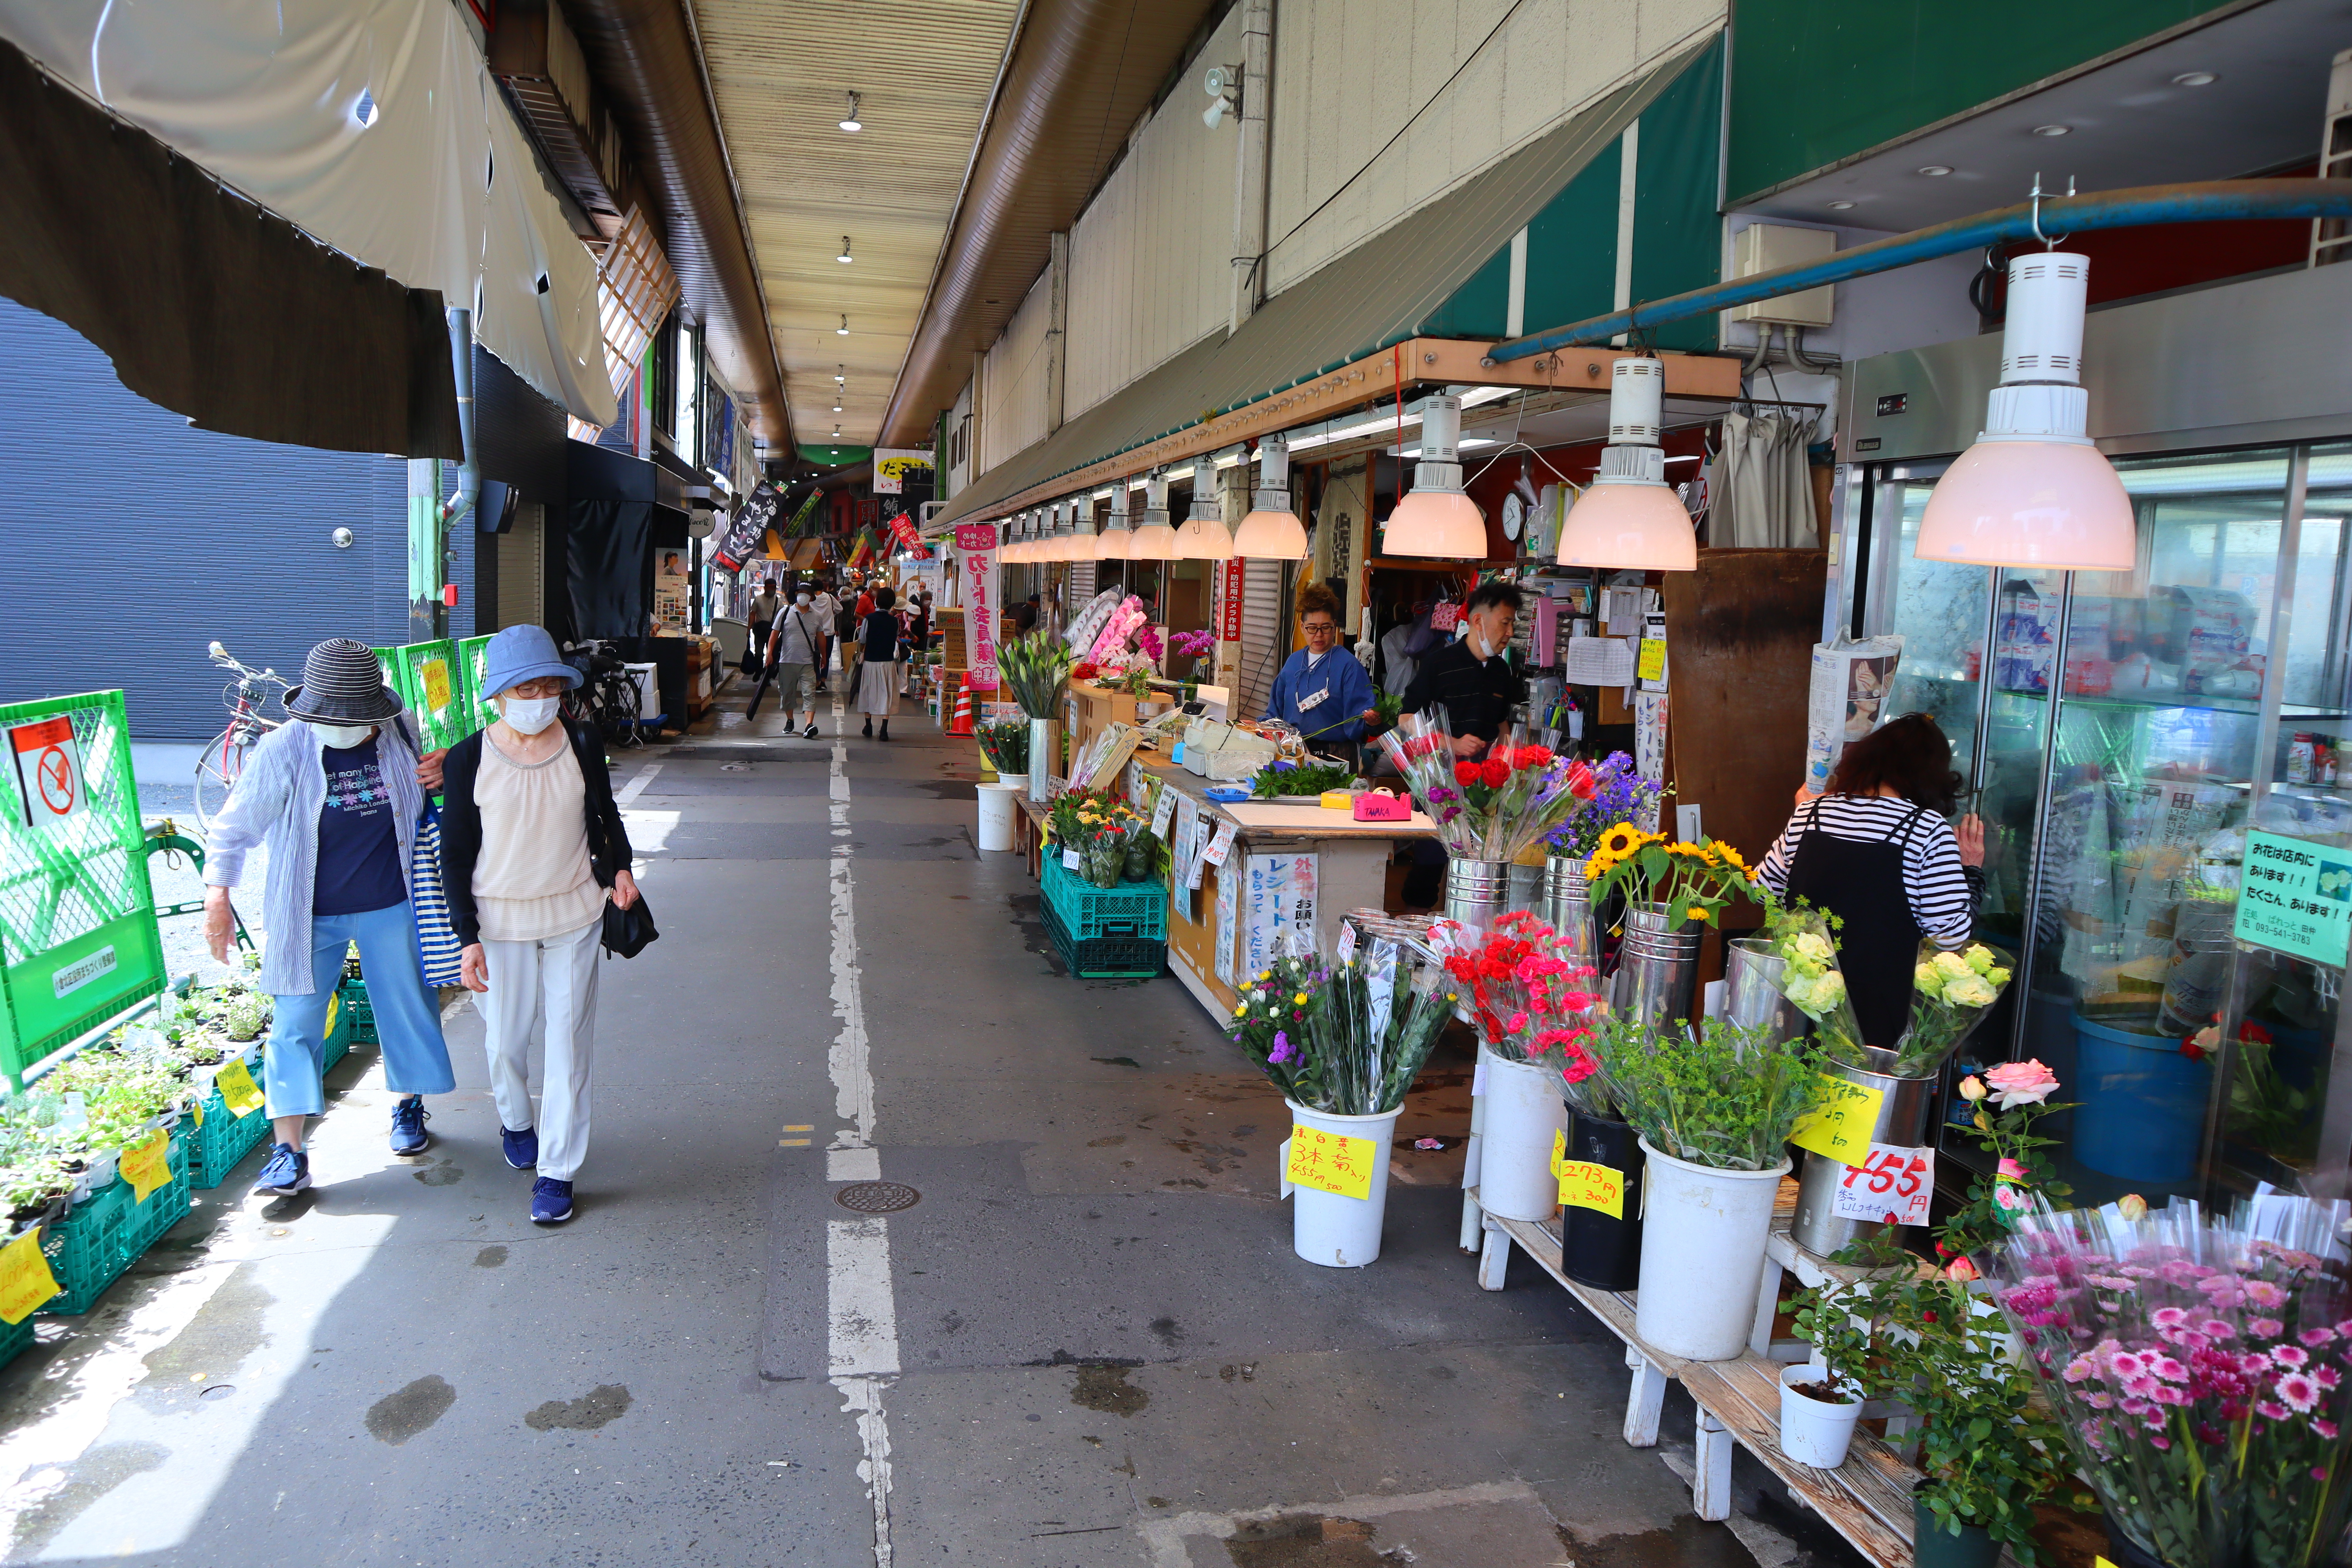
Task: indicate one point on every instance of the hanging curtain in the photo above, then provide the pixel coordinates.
(1763, 496)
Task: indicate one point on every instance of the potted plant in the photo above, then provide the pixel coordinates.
(1533, 1008)
(1343, 1040)
(1671, 890)
(1715, 1107)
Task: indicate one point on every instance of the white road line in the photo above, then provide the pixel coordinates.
(637, 785)
(861, 1313)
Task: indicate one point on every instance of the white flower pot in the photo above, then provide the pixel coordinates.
(1703, 1235)
(998, 802)
(1814, 1430)
(1332, 1228)
(1524, 1113)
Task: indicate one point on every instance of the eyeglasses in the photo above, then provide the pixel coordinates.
(1317, 627)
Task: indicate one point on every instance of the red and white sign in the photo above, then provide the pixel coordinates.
(1229, 600)
(1891, 1184)
(976, 547)
(48, 771)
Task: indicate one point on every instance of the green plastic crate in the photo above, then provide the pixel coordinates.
(15, 1339)
(90, 1248)
(226, 1138)
(339, 1035)
(1106, 957)
(1133, 910)
(355, 997)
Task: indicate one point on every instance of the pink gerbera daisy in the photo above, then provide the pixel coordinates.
(2169, 1317)
(2315, 1338)
(2290, 1355)
(2265, 1328)
(2271, 1410)
(2301, 1391)
(2215, 1329)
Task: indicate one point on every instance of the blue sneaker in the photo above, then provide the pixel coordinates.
(285, 1173)
(408, 1134)
(522, 1148)
(551, 1201)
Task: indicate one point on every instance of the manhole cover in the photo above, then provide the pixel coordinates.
(734, 767)
(877, 1197)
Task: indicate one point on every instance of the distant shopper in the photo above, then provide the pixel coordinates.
(530, 841)
(877, 688)
(847, 628)
(1470, 676)
(828, 613)
(918, 635)
(793, 648)
(762, 617)
(334, 800)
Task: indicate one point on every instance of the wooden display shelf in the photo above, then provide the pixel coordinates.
(1867, 1500)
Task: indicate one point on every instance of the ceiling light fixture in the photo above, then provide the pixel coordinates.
(851, 121)
(1204, 536)
(2195, 79)
(2052, 129)
(1118, 539)
(1841, 207)
(1937, 171)
(845, 258)
(1629, 518)
(841, 330)
(1435, 518)
(1270, 532)
(2033, 492)
(1154, 541)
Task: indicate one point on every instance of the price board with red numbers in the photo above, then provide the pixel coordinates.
(1892, 1182)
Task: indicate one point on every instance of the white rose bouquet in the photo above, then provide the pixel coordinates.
(1802, 936)
(1949, 992)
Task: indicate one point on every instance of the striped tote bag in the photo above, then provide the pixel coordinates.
(436, 939)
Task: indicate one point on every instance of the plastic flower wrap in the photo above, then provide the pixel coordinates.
(1493, 806)
(1533, 1002)
(1036, 669)
(1110, 647)
(1949, 993)
(1811, 979)
(1345, 1038)
(1005, 743)
(2199, 1369)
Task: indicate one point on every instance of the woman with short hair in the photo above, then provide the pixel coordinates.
(877, 676)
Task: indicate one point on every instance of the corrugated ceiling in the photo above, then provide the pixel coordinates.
(781, 75)
(1375, 295)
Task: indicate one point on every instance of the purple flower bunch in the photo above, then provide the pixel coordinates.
(2202, 1372)
(1196, 645)
(1622, 796)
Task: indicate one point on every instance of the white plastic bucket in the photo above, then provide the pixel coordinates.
(1523, 1114)
(1331, 1228)
(998, 802)
(1703, 1235)
(1813, 1430)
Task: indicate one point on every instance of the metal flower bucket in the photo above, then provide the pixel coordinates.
(1657, 967)
(1902, 1122)
(1478, 892)
(1566, 908)
(1045, 757)
(1752, 995)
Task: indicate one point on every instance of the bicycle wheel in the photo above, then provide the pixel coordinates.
(217, 766)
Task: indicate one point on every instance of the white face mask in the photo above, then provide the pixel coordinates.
(529, 715)
(343, 737)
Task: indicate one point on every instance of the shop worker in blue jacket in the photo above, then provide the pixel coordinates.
(1322, 689)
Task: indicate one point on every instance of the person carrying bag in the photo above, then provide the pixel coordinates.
(531, 846)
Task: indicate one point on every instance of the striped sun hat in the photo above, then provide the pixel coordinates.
(342, 683)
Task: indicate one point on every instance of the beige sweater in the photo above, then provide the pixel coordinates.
(533, 879)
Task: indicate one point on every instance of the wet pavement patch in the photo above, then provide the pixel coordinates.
(1305, 1540)
(98, 1472)
(599, 1406)
(443, 1174)
(402, 1415)
(491, 1258)
(1689, 1542)
(1105, 1388)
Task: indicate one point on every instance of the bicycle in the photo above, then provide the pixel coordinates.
(606, 699)
(249, 698)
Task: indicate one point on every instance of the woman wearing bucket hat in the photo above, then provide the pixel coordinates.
(531, 840)
(335, 800)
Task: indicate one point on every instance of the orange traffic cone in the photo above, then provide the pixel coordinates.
(962, 722)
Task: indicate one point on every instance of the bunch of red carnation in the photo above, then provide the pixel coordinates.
(1085, 669)
(1531, 997)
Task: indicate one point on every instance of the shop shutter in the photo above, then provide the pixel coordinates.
(1081, 585)
(522, 576)
(1262, 649)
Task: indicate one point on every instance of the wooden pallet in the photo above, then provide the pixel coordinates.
(1867, 1500)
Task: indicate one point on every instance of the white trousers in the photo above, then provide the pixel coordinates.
(549, 986)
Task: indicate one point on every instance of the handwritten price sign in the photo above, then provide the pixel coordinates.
(1330, 1161)
(236, 1087)
(1891, 1184)
(25, 1279)
(1840, 1127)
(147, 1166)
(1586, 1185)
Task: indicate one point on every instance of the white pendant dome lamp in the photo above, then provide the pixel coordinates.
(2033, 491)
(1204, 536)
(1116, 541)
(1272, 531)
(1154, 541)
(1084, 544)
(1050, 545)
(1019, 553)
(1630, 518)
(1435, 518)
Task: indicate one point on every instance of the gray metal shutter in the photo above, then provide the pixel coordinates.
(522, 576)
(1081, 585)
(1262, 642)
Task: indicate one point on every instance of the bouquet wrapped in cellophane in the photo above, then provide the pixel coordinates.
(1005, 743)
(1493, 806)
(1949, 992)
(2198, 1368)
(1345, 1038)
(1802, 937)
(1534, 1000)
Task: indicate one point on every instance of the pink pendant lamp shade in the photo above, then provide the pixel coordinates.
(1435, 518)
(1116, 539)
(1204, 536)
(1630, 519)
(1270, 532)
(2033, 492)
(1154, 541)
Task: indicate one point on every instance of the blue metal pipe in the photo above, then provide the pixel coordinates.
(2207, 202)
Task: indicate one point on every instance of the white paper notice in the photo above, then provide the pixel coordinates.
(1600, 661)
(1162, 810)
(1070, 859)
(1223, 844)
(1894, 1183)
(1199, 855)
(1622, 611)
(1345, 949)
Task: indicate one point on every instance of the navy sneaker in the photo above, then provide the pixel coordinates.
(551, 1201)
(408, 1134)
(285, 1173)
(522, 1148)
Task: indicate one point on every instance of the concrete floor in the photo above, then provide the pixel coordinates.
(1088, 1342)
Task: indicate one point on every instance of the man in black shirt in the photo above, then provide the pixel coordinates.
(1469, 676)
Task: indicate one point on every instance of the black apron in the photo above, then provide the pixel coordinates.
(1878, 945)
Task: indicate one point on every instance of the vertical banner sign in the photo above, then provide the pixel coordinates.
(1229, 601)
(976, 547)
(752, 519)
(48, 772)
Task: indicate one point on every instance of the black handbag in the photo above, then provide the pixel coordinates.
(628, 932)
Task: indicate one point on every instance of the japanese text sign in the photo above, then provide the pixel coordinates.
(25, 1279)
(1892, 1182)
(1586, 1185)
(1839, 1128)
(2295, 897)
(147, 1166)
(976, 549)
(1330, 1161)
(237, 1090)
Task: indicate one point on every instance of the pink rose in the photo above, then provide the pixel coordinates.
(2021, 1083)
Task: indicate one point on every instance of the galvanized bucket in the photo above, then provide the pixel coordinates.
(1751, 990)
(1045, 757)
(1478, 892)
(1657, 968)
(1902, 1108)
(1566, 908)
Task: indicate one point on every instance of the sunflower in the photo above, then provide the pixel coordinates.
(1728, 856)
(1621, 841)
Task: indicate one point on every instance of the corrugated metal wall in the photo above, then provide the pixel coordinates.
(1012, 384)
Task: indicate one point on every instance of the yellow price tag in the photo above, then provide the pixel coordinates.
(1331, 1161)
(2100, 1562)
(1585, 1185)
(237, 1090)
(334, 1007)
(149, 1165)
(25, 1279)
(435, 674)
(1559, 1149)
(1840, 1127)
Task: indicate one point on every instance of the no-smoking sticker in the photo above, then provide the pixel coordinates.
(48, 771)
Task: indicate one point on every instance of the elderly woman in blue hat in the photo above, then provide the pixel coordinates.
(531, 843)
(335, 800)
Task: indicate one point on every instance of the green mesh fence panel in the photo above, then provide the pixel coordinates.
(479, 714)
(433, 685)
(78, 937)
